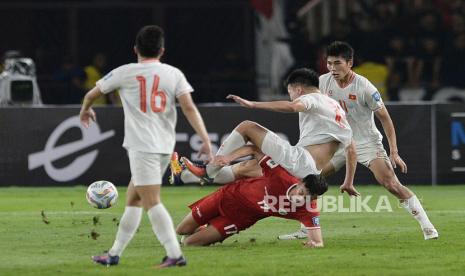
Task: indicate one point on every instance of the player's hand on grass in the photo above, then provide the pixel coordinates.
(312, 244)
(396, 160)
(350, 189)
(86, 116)
(241, 101)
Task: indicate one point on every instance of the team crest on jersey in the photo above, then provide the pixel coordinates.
(376, 96)
(316, 221)
(352, 97)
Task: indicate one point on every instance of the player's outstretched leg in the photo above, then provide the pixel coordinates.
(128, 225)
(162, 224)
(384, 174)
(245, 131)
(197, 173)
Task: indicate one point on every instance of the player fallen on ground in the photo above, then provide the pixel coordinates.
(148, 90)
(323, 130)
(240, 204)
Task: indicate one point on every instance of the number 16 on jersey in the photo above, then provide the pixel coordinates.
(157, 98)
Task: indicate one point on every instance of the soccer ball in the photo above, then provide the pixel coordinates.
(102, 194)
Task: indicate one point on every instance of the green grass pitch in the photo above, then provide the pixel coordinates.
(386, 243)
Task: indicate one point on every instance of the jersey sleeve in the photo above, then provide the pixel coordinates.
(373, 97)
(182, 85)
(111, 81)
(309, 218)
(307, 101)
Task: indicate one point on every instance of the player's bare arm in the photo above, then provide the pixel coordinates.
(87, 113)
(383, 116)
(277, 106)
(351, 165)
(315, 239)
(195, 120)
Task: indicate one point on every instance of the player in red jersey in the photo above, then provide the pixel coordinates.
(240, 204)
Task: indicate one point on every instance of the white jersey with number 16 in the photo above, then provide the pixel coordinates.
(148, 91)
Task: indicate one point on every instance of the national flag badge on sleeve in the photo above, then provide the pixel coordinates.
(352, 97)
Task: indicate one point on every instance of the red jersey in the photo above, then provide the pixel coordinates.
(252, 199)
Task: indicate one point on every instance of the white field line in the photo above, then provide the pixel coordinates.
(57, 213)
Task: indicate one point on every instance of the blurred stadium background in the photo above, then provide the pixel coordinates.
(54, 51)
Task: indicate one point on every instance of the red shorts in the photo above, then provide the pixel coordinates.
(207, 210)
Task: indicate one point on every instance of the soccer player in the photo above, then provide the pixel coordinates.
(323, 130)
(238, 205)
(148, 89)
(361, 100)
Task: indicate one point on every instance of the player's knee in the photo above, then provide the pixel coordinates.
(134, 202)
(148, 201)
(392, 185)
(244, 126)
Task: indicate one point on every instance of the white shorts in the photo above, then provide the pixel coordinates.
(296, 160)
(147, 168)
(365, 154)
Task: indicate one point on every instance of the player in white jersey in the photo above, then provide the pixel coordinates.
(323, 130)
(361, 101)
(148, 90)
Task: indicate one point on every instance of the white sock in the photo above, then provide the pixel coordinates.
(188, 177)
(163, 228)
(231, 143)
(303, 228)
(225, 175)
(128, 225)
(413, 206)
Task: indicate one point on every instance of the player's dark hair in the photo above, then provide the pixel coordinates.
(340, 49)
(150, 40)
(315, 184)
(303, 76)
